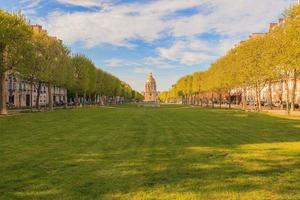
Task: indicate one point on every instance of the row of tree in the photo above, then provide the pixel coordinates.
(43, 60)
(260, 61)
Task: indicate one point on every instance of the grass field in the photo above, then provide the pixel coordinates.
(149, 153)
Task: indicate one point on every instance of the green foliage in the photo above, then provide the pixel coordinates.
(91, 80)
(40, 58)
(15, 34)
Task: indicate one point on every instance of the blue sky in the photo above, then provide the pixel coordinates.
(171, 38)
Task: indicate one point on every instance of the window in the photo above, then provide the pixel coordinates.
(11, 99)
(10, 84)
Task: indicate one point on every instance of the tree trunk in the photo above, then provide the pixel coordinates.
(220, 100)
(287, 96)
(270, 95)
(76, 99)
(257, 94)
(212, 100)
(259, 101)
(3, 95)
(293, 98)
(66, 99)
(281, 94)
(244, 98)
(101, 100)
(50, 97)
(31, 94)
(3, 87)
(37, 103)
(84, 98)
(229, 99)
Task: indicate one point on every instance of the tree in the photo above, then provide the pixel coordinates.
(292, 39)
(56, 58)
(15, 34)
(81, 82)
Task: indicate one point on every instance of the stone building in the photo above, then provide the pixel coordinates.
(150, 93)
(21, 93)
(278, 91)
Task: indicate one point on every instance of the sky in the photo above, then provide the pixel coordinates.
(170, 38)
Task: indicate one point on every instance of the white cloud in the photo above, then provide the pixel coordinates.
(29, 7)
(114, 62)
(116, 24)
(142, 70)
(194, 51)
(84, 3)
(159, 63)
(148, 63)
(119, 24)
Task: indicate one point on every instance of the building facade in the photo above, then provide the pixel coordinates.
(21, 93)
(150, 93)
(276, 90)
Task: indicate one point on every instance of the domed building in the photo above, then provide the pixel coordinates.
(150, 93)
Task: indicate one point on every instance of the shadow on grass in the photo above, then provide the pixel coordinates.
(212, 172)
(149, 154)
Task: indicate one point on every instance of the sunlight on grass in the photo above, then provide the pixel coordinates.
(38, 193)
(143, 153)
(283, 116)
(241, 115)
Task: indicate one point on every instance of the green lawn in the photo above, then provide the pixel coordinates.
(149, 153)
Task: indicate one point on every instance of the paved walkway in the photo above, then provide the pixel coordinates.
(252, 109)
(282, 112)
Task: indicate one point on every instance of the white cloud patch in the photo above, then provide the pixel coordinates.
(159, 63)
(120, 24)
(84, 3)
(193, 51)
(142, 70)
(29, 7)
(123, 24)
(114, 62)
(116, 24)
